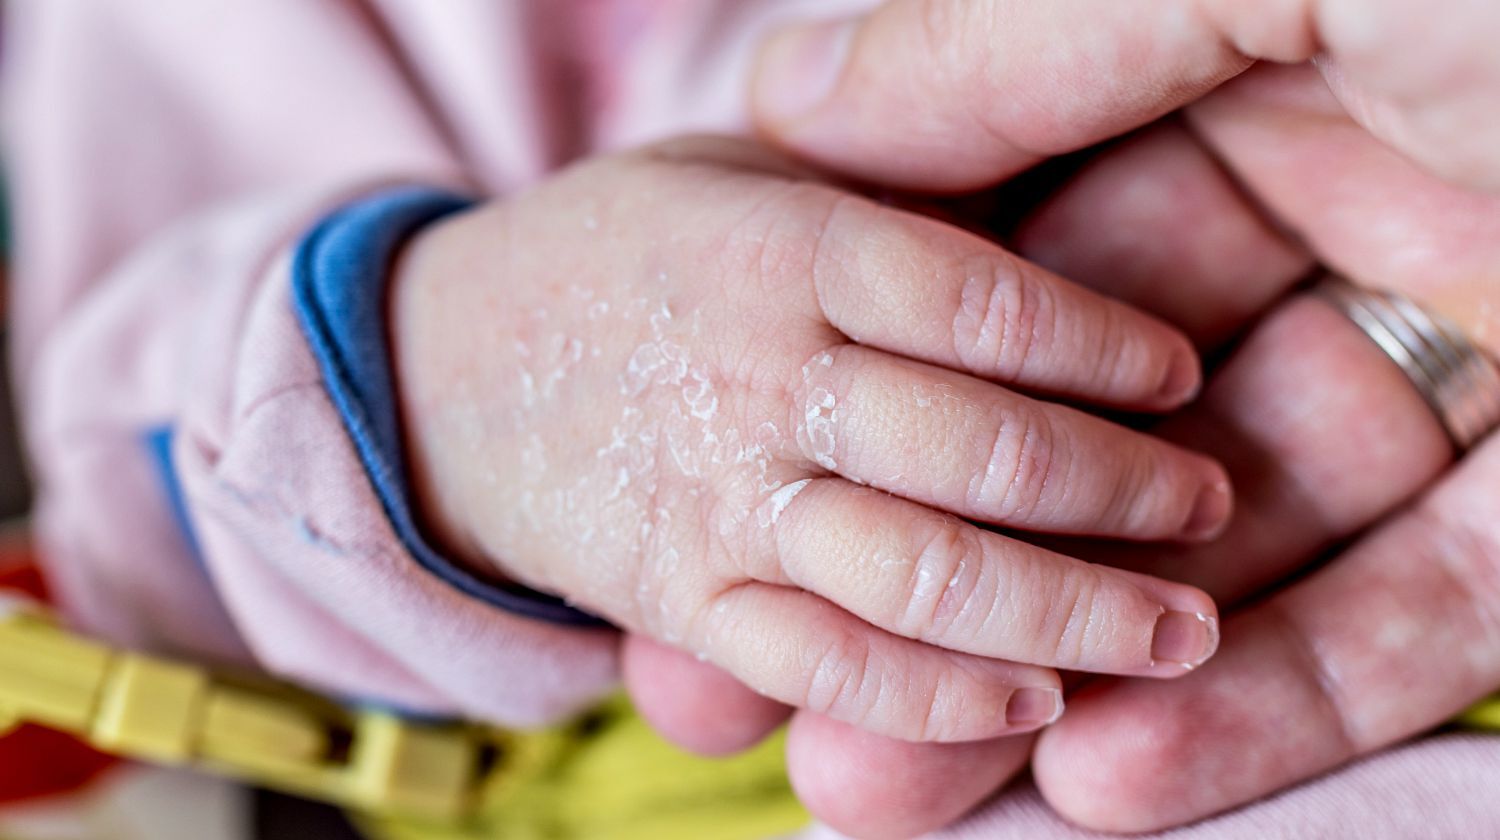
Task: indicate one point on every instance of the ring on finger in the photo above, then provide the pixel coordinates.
(1457, 378)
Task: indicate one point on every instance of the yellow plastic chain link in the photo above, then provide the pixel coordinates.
(268, 734)
(605, 777)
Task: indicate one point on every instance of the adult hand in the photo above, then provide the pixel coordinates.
(1323, 436)
(1402, 629)
(954, 95)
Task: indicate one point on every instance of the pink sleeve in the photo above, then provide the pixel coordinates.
(165, 157)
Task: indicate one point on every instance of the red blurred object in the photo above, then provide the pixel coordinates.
(36, 762)
(24, 580)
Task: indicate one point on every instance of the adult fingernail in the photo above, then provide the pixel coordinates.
(1184, 639)
(800, 66)
(1183, 380)
(1210, 512)
(1032, 708)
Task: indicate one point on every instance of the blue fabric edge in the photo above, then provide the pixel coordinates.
(158, 443)
(339, 282)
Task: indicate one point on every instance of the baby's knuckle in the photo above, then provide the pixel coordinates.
(1142, 495)
(776, 243)
(936, 705)
(1003, 319)
(944, 570)
(1066, 629)
(1024, 464)
(814, 395)
(836, 681)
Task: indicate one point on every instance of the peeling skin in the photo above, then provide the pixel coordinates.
(820, 416)
(770, 510)
(625, 437)
(672, 446)
(940, 394)
(699, 396)
(928, 582)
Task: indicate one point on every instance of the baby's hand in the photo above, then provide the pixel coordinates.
(722, 404)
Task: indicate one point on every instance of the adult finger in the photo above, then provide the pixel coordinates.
(959, 94)
(927, 576)
(1322, 436)
(1360, 207)
(1396, 635)
(952, 95)
(695, 704)
(1158, 223)
(1433, 97)
(980, 451)
(1320, 431)
(870, 786)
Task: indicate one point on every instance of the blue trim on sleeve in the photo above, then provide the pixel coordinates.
(338, 284)
(158, 443)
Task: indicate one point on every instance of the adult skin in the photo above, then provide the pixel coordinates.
(1308, 133)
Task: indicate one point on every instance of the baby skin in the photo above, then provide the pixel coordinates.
(719, 402)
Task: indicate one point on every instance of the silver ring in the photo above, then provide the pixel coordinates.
(1456, 377)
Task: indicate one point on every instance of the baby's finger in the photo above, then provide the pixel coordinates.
(693, 704)
(931, 577)
(977, 450)
(920, 288)
(801, 650)
(871, 786)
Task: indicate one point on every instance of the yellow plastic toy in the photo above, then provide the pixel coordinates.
(607, 777)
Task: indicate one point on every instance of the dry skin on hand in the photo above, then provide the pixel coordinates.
(672, 451)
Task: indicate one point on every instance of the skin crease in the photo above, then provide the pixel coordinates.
(1279, 174)
(680, 474)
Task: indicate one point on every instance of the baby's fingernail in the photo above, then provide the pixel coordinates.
(1184, 639)
(1210, 512)
(1032, 708)
(1183, 380)
(799, 67)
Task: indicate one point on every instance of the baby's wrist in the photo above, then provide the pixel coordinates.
(425, 338)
